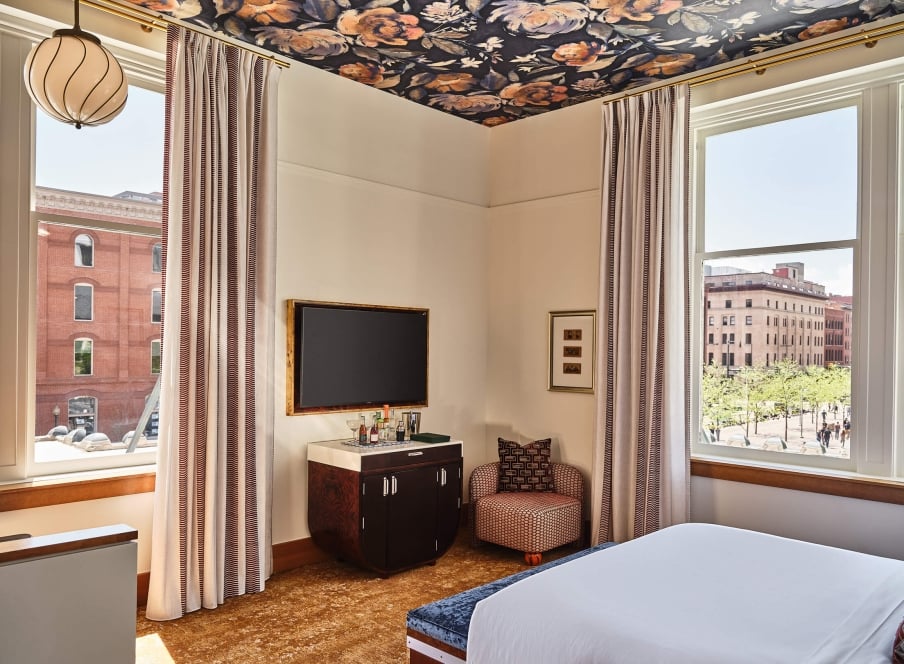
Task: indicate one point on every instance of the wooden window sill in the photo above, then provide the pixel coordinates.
(41, 492)
(847, 486)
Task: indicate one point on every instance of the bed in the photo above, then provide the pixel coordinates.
(694, 594)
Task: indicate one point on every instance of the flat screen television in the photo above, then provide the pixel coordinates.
(355, 356)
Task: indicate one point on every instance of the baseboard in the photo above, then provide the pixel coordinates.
(144, 580)
(295, 553)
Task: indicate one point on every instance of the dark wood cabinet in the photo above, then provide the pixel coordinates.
(386, 511)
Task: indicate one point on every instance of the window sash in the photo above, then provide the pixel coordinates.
(875, 344)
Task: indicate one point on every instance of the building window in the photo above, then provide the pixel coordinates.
(836, 249)
(155, 305)
(748, 320)
(84, 302)
(712, 321)
(82, 414)
(724, 320)
(157, 257)
(84, 251)
(155, 356)
(748, 338)
(731, 320)
(748, 303)
(83, 357)
(711, 338)
(728, 304)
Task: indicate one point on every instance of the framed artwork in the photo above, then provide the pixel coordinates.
(572, 344)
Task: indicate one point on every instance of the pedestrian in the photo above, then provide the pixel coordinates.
(837, 430)
(844, 435)
(823, 415)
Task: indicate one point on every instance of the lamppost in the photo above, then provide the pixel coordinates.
(56, 415)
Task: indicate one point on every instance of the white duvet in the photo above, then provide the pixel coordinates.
(697, 594)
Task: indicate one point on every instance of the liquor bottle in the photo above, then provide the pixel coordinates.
(385, 411)
(400, 431)
(362, 432)
(374, 430)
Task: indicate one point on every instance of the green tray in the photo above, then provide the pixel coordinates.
(430, 437)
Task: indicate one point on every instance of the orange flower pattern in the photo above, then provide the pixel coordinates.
(364, 72)
(496, 61)
(380, 26)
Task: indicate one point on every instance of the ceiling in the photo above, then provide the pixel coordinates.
(495, 61)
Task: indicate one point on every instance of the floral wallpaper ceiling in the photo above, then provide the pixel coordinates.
(494, 61)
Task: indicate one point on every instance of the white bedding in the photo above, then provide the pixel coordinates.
(697, 594)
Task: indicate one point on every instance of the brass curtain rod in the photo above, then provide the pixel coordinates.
(869, 38)
(150, 22)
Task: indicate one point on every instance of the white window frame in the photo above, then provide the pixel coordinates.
(159, 356)
(18, 244)
(75, 363)
(878, 92)
(90, 288)
(75, 244)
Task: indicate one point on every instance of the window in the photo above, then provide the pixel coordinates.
(748, 320)
(748, 338)
(731, 320)
(83, 356)
(83, 241)
(834, 244)
(84, 302)
(710, 339)
(157, 257)
(712, 321)
(84, 251)
(728, 304)
(749, 303)
(724, 320)
(82, 414)
(155, 356)
(155, 305)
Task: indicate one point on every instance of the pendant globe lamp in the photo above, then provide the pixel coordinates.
(74, 79)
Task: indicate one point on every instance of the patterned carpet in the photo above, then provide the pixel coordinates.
(326, 612)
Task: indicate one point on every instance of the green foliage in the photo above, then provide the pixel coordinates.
(760, 392)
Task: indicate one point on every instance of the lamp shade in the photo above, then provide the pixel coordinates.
(74, 79)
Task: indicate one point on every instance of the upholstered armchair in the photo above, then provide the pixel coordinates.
(530, 521)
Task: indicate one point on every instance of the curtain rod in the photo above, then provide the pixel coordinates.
(869, 38)
(156, 21)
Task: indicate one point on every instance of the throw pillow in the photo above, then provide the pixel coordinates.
(525, 467)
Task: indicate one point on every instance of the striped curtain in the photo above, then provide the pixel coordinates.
(211, 536)
(641, 441)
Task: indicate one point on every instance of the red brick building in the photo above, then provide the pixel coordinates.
(98, 311)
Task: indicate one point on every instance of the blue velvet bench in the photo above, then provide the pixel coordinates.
(438, 632)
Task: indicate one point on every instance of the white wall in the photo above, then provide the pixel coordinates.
(381, 201)
(543, 241)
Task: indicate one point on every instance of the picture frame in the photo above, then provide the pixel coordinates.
(572, 350)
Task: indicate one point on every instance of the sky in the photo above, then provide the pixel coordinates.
(126, 154)
(788, 182)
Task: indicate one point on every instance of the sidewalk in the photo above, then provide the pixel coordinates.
(795, 441)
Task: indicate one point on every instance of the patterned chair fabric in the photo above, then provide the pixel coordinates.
(531, 522)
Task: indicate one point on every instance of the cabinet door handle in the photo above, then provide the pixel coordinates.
(442, 477)
(415, 454)
(385, 486)
(395, 485)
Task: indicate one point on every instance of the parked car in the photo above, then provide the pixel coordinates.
(737, 440)
(775, 443)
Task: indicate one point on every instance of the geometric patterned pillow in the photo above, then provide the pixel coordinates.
(525, 467)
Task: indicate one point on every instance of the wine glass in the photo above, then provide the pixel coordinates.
(353, 425)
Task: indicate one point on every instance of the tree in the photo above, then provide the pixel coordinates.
(783, 385)
(719, 398)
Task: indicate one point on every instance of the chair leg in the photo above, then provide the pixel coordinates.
(533, 559)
